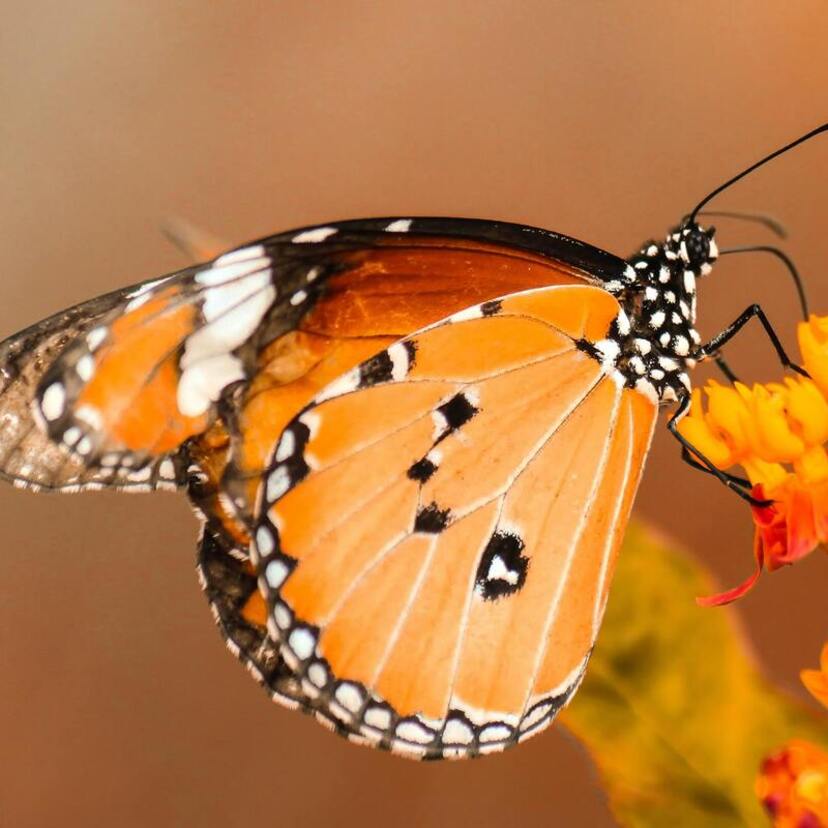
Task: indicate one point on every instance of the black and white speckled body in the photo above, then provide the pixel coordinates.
(653, 341)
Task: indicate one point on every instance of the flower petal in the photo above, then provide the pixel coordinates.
(817, 684)
(730, 595)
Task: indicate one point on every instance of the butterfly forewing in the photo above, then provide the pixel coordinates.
(380, 280)
(422, 539)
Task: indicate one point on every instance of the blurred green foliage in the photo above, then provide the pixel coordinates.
(673, 710)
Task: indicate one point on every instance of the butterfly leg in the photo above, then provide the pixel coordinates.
(786, 260)
(725, 369)
(691, 461)
(711, 349)
(728, 480)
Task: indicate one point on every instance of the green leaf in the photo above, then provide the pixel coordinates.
(673, 710)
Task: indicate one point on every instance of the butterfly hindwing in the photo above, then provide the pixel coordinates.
(110, 390)
(28, 457)
(229, 583)
(421, 539)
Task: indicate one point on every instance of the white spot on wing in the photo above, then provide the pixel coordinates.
(349, 696)
(141, 476)
(264, 541)
(399, 361)
(286, 447)
(317, 674)
(317, 234)
(201, 384)
(91, 416)
(498, 571)
(536, 715)
(85, 367)
(53, 401)
(254, 251)
(398, 226)
(343, 385)
(276, 572)
(95, 337)
(145, 289)
(457, 732)
(495, 733)
(302, 642)
(71, 436)
(311, 422)
(281, 615)
(134, 304)
(378, 717)
(278, 483)
(413, 732)
(474, 312)
(440, 424)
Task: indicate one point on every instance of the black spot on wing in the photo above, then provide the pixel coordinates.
(502, 569)
(432, 519)
(377, 369)
(456, 413)
(381, 367)
(422, 470)
(491, 308)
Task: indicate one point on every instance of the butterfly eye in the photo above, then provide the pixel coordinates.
(695, 248)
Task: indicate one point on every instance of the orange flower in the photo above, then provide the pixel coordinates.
(793, 786)
(817, 680)
(777, 433)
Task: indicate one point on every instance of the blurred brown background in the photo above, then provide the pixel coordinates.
(118, 702)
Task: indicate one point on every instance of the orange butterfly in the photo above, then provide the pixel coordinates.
(415, 444)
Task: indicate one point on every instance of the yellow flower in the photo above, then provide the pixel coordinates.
(777, 433)
(813, 345)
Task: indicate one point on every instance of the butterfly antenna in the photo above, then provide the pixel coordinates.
(776, 227)
(801, 140)
(196, 244)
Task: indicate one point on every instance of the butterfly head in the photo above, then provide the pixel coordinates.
(695, 246)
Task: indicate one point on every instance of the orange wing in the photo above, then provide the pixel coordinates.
(382, 285)
(439, 525)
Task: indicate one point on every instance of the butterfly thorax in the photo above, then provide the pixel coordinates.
(653, 342)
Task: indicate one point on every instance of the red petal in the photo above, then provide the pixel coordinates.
(737, 592)
(802, 531)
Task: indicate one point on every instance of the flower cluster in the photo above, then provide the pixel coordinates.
(793, 786)
(777, 432)
(793, 782)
